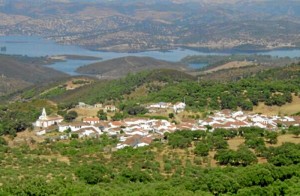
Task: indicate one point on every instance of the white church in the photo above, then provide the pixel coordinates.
(45, 121)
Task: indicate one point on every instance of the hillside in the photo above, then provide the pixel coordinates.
(29, 70)
(116, 68)
(18, 72)
(216, 61)
(103, 90)
(186, 163)
(276, 88)
(9, 85)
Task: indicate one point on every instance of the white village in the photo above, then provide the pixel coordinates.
(137, 131)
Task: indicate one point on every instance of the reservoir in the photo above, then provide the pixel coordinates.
(34, 46)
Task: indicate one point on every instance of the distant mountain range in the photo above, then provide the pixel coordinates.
(135, 25)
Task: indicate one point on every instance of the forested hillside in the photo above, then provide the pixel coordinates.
(101, 91)
(272, 87)
(179, 166)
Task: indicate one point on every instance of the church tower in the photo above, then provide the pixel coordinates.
(44, 115)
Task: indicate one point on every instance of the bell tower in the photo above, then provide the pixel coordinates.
(44, 115)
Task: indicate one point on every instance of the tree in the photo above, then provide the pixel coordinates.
(295, 130)
(178, 141)
(225, 156)
(254, 141)
(3, 141)
(228, 101)
(202, 149)
(136, 176)
(74, 135)
(287, 154)
(102, 115)
(219, 142)
(136, 110)
(70, 116)
(245, 156)
(271, 136)
(171, 115)
(246, 105)
(225, 133)
(68, 130)
(93, 174)
(118, 116)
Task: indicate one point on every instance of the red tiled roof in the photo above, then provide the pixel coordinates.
(117, 123)
(147, 140)
(239, 123)
(91, 119)
(75, 124)
(87, 129)
(132, 141)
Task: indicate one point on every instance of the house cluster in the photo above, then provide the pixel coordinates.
(232, 120)
(156, 107)
(137, 132)
(130, 132)
(133, 132)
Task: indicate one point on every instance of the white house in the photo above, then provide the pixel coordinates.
(88, 132)
(161, 105)
(74, 126)
(179, 107)
(110, 108)
(98, 105)
(130, 122)
(91, 120)
(238, 113)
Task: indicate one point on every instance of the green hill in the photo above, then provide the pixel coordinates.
(119, 67)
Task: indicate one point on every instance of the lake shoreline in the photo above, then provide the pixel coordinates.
(200, 49)
(70, 57)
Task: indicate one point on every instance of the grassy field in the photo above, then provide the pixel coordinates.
(86, 112)
(287, 109)
(235, 143)
(230, 65)
(286, 138)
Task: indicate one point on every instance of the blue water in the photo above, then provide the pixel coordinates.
(197, 65)
(34, 46)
